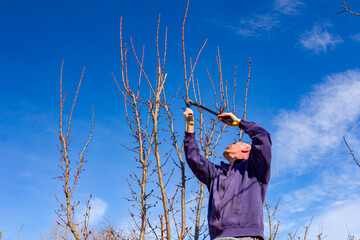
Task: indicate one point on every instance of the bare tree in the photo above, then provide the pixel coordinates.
(147, 138)
(133, 105)
(67, 209)
(145, 113)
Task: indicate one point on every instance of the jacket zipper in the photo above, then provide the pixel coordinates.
(222, 194)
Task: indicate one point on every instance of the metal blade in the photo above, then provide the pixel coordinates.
(200, 106)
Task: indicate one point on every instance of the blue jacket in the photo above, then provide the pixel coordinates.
(237, 195)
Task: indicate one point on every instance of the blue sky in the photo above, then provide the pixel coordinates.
(304, 89)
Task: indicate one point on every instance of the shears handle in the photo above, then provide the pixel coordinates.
(190, 119)
(229, 121)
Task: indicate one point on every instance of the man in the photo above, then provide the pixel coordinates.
(236, 190)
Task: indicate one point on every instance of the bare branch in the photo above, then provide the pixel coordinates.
(234, 89)
(141, 67)
(351, 152)
(18, 233)
(83, 153)
(183, 50)
(213, 86)
(347, 9)
(72, 108)
(273, 228)
(197, 57)
(245, 104)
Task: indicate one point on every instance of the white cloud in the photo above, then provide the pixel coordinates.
(332, 187)
(258, 24)
(309, 138)
(338, 220)
(254, 26)
(319, 39)
(355, 37)
(325, 115)
(98, 209)
(328, 200)
(287, 6)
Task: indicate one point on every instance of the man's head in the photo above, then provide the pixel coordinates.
(238, 150)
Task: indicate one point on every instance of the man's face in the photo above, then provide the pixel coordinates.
(238, 150)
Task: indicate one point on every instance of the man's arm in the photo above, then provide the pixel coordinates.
(260, 153)
(202, 168)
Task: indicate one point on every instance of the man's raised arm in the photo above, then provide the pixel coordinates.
(202, 168)
(260, 153)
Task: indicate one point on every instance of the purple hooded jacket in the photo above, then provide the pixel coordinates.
(236, 195)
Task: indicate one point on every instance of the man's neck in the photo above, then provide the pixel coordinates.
(231, 162)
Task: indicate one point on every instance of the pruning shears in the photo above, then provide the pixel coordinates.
(191, 118)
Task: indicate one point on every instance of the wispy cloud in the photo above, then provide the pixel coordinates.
(259, 24)
(309, 138)
(332, 187)
(288, 6)
(97, 211)
(327, 201)
(305, 135)
(319, 39)
(355, 37)
(339, 220)
(254, 26)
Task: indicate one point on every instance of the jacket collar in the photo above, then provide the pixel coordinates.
(226, 166)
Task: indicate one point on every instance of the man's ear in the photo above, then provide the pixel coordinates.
(246, 149)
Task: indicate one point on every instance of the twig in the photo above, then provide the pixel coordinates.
(351, 152)
(234, 89)
(320, 235)
(245, 104)
(197, 57)
(183, 49)
(347, 9)
(72, 108)
(18, 233)
(307, 229)
(273, 229)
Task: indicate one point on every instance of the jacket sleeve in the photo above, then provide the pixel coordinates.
(260, 154)
(202, 168)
